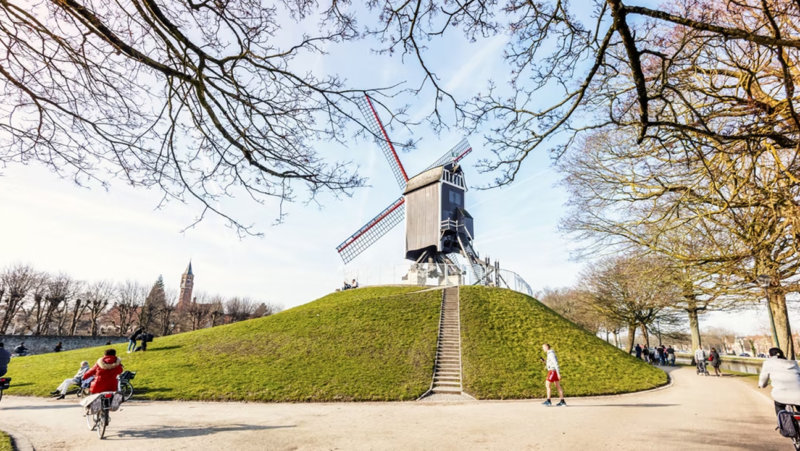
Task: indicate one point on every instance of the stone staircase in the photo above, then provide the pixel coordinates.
(447, 371)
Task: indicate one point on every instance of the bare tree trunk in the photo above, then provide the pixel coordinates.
(694, 327)
(777, 304)
(631, 337)
(76, 313)
(646, 335)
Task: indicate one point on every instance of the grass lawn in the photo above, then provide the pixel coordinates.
(5, 442)
(369, 344)
(502, 334)
(374, 343)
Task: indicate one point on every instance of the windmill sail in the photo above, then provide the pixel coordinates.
(454, 155)
(372, 230)
(375, 126)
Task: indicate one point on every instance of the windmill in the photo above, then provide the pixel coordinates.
(438, 227)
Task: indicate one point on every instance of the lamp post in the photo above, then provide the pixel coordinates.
(763, 281)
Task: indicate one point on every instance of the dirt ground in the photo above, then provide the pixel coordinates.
(695, 412)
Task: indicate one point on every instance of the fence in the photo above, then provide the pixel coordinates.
(41, 344)
(436, 275)
(749, 365)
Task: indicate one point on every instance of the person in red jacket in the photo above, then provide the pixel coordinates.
(105, 372)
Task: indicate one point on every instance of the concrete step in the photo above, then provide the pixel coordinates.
(455, 390)
(447, 384)
(455, 362)
(446, 378)
(454, 374)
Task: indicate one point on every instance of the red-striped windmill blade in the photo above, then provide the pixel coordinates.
(394, 213)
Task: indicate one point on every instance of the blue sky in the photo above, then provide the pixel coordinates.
(118, 234)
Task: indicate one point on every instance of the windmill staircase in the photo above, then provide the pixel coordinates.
(446, 382)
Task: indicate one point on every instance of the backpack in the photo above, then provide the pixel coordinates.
(787, 425)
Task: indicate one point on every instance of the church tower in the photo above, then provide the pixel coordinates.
(187, 283)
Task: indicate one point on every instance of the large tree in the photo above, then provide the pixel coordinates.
(720, 70)
(632, 290)
(200, 99)
(708, 208)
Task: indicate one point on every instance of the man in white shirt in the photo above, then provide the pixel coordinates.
(553, 375)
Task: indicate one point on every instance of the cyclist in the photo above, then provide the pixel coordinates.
(784, 375)
(105, 372)
(5, 357)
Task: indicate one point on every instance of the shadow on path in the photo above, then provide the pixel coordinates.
(623, 405)
(192, 431)
(53, 406)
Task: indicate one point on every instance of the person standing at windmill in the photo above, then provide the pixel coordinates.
(553, 375)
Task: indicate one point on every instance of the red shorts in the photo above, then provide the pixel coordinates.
(552, 376)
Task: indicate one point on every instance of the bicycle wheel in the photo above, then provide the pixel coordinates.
(102, 422)
(126, 389)
(1, 394)
(91, 421)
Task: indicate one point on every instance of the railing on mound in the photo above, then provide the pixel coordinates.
(436, 275)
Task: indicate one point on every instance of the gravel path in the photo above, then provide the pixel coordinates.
(694, 413)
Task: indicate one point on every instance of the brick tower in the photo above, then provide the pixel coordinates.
(187, 283)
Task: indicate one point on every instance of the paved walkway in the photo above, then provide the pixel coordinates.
(694, 413)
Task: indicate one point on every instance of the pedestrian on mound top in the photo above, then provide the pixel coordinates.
(132, 339)
(638, 350)
(646, 354)
(553, 375)
(58, 347)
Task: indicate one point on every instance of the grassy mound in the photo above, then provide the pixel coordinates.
(373, 343)
(502, 334)
(376, 343)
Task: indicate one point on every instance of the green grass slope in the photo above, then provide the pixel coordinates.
(376, 343)
(373, 343)
(502, 334)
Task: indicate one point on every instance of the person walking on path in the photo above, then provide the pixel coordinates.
(132, 339)
(715, 361)
(105, 372)
(553, 375)
(638, 350)
(700, 360)
(671, 355)
(645, 354)
(784, 375)
(61, 391)
(5, 357)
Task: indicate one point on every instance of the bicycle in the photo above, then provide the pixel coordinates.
(5, 382)
(125, 387)
(97, 415)
(791, 431)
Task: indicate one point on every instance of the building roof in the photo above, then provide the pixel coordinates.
(189, 269)
(424, 179)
